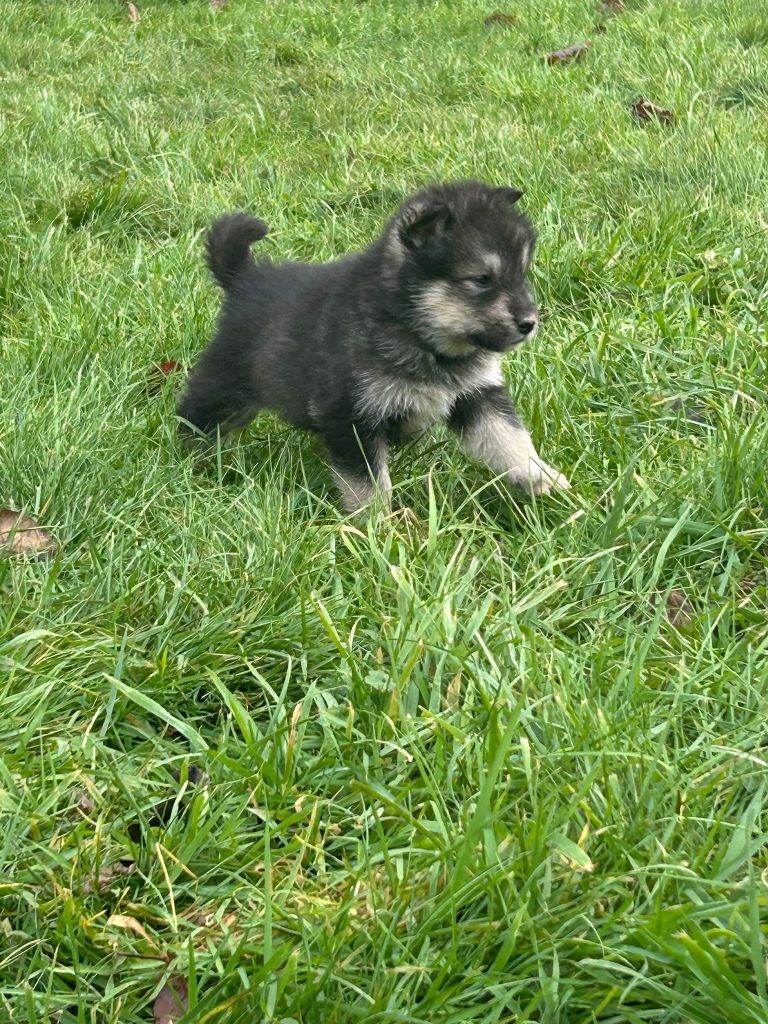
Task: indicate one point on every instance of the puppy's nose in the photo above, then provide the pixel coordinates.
(525, 326)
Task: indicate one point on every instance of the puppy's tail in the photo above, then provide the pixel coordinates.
(228, 245)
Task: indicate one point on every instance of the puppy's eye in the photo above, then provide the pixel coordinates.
(481, 281)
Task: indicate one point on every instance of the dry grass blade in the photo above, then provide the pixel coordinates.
(575, 52)
(646, 111)
(20, 535)
(172, 1001)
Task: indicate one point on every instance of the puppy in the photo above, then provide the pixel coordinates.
(380, 345)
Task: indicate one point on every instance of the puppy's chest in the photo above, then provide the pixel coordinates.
(413, 406)
(390, 400)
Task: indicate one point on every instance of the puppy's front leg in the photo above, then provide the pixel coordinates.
(490, 431)
(359, 463)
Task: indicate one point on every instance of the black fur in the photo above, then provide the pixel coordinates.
(471, 407)
(365, 347)
(229, 245)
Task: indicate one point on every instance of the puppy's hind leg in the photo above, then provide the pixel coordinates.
(359, 464)
(214, 402)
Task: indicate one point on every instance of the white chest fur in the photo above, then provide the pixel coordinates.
(383, 398)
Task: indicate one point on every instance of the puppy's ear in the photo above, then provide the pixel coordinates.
(510, 195)
(422, 223)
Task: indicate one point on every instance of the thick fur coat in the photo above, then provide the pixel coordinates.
(382, 344)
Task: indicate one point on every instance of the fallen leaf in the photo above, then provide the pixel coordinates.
(569, 53)
(20, 535)
(159, 372)
(124, 921)
(107, 876)
(172, 1001)
(453, 693)
(499, 18)
(133, 14)
(679, 611)
(85, 804)
(648, 112)
(162, 812)
(611, 7)
(694, 413)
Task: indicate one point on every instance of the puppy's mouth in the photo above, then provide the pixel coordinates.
(501, 341)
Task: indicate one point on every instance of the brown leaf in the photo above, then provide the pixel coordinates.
(85, 804)
(162, 812)
(648, 112)
(125, 921)
(611, 7)
(172, 1001)
(569, 53)
(107, 876)
(133, 14)
(499, 18)
(679, 611)
(694, 413)
(20, 535)
(453, 693)
(159, 372)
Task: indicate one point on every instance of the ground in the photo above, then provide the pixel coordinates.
(480, 760)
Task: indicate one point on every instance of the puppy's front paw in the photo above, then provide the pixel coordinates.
(549, 479)
(542, 479)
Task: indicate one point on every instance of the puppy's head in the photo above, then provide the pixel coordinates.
(464, 255)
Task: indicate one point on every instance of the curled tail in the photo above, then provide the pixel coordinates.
(228, 245)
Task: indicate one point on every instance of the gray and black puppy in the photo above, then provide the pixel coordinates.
(380, 345)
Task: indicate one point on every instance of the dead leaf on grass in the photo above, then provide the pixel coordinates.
(20, 535)
(84, 805)
(611, 7)
(133, 14)
(106, 877)
(499, 18)
(172, 1001)
(575, 52)
(646, 111)
(159, 373)
(131, 924)
(679, 611)
(453, 693)
(162, 812)
(217, 4)
(694, 413)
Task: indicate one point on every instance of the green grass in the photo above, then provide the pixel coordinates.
(461, 767)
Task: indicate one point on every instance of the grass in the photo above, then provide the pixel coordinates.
(459, 763)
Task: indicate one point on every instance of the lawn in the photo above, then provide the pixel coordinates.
(481, 760)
